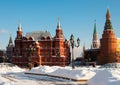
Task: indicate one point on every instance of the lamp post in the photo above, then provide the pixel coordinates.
(72, 42)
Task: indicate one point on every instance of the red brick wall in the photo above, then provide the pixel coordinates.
(108, 47)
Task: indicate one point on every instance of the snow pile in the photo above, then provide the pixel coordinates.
(106, 76)
(80, 73)
(44, 69)
(9, 68)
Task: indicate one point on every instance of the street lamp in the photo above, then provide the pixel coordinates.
(72, 42)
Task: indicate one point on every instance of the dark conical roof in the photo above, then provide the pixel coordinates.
(108, 14)
(10, 40)
(108, 24)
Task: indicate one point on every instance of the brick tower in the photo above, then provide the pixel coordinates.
(59, 40)
(108, 43)
(18, 41)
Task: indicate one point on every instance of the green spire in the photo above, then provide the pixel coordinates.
(95, 31)
(108, 24)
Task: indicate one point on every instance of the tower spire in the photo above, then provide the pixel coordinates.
(95, 31)
(19, 31)
(10, 40)
(19, 27)
(58, 25)
(108, 14)
(108, 24)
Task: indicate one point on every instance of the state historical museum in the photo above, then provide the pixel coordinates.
(40, 48)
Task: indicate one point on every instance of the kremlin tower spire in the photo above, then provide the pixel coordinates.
(108, 24)
(108, 15)
(95, 37)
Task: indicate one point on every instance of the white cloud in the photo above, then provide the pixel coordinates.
(3, 31)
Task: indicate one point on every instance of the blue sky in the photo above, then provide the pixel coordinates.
(77, 17)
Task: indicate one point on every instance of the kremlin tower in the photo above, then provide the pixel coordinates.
(95, 43)
(108, 43)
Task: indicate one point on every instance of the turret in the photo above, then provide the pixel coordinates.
(19, 31)
(59, 32)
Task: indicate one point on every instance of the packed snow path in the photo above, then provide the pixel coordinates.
(25, 79)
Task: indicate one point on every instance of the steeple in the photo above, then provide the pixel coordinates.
(19, 27)
(19, 31)
(58, 25)
(108, 15)
(108, 24)
(95, 31)
(59, 32)
(10, 41)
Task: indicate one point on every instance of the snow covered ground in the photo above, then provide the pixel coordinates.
(79, 73)
(106, 76)
(13, 75)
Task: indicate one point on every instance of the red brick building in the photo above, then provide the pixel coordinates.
(40, 48)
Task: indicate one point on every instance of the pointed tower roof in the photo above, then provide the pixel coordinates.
(108, 24)
(95, 30)
(58, 25)
(108, 14)
(19, 27)
(10, 41)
